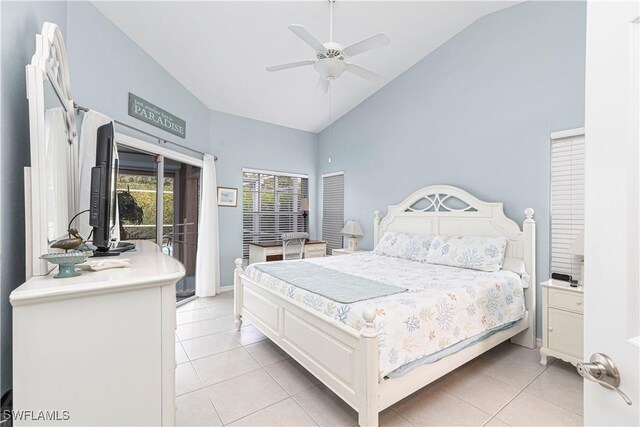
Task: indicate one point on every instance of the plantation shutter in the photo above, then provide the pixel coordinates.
(271, 205)
(567, 202)
(332, 210)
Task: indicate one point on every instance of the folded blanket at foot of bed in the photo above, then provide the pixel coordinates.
(335, 285)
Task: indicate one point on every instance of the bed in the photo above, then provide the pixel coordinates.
(376, 351)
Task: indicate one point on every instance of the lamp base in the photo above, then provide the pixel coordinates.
(353, 244)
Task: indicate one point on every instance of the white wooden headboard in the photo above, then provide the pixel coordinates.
(448, 210)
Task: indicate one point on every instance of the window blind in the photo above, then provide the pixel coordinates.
(271, 205)
(567, 202)
(332, 210)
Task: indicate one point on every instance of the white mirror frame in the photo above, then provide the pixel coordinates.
(48, 62)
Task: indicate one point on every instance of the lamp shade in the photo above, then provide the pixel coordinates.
(577, 247)
(304, 205)
(352, 228)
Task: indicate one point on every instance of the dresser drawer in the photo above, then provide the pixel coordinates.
(566, 299)
(274, 250)
(315, 252)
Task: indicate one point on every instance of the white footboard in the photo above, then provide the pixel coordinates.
(346, 360)
(342, 358)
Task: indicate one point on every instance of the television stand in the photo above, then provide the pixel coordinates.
(122, 247)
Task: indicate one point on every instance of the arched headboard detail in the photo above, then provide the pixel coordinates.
(448, 210)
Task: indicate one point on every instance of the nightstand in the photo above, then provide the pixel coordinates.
(562, 322)
(343, 251)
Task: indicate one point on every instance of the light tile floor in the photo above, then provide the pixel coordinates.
(226, 377)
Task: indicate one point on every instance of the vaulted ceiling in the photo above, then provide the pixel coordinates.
(218, 49)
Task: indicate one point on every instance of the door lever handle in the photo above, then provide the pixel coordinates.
(601, 370)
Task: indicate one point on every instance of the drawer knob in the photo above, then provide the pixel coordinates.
(579, 302)
(550, 329)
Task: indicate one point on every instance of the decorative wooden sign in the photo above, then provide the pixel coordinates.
(156, 116)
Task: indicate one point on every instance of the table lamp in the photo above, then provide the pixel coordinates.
(304, 208)
(577, 248)
(353, 230)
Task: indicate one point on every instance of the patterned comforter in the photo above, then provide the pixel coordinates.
(443, 305)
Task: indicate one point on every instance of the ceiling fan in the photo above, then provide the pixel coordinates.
(331, 58)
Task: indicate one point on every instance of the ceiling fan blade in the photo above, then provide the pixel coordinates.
(372, 42)
(323, 85)
(289, 65)
(305, 35)
(365, 73)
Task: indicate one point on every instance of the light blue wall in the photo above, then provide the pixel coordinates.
(20, 23)
(476, 113)
(105, 65)
(244, 143)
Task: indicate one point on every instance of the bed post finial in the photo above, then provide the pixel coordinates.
(237, 293)
(369, 315)
(528, 213)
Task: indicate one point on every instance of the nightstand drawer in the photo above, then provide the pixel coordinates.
(565, 332)
(566, 299)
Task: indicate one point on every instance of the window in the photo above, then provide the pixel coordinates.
(271, 205)
(567, 202)
(142, 186)
(332, 210)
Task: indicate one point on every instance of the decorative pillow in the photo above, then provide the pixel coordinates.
(517, 266)
(473, 252)
(414, 247)
(514, 264)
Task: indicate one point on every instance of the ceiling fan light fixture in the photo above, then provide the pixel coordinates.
(330, 68)
(331, 57)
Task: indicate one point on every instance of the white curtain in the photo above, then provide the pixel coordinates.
(208, 256)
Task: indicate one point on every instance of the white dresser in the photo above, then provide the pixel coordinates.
(101, 345)
(562, 322)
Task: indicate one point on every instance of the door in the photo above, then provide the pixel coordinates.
(181, 204)
(611, 207)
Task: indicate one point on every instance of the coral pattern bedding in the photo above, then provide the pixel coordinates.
(443, 305)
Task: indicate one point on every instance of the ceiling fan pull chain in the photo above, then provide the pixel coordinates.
(331, 20)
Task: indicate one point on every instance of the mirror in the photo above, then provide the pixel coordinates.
(58, 156)
(51, 180)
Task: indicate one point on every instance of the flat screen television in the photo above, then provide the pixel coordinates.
(104, 175)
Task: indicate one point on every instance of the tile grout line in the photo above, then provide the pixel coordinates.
(285, 390)
(215, 410)
(289, 395)
(254, 412)
(400, 415)
(544, 397)
(211, 401)
(260, 367)
(518, 394)
(470, 404)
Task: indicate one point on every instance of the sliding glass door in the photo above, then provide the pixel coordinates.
(181, 240)
(159, 200)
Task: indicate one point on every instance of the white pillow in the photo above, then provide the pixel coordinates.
(473, 252)
(414, 247)
(514, 264)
